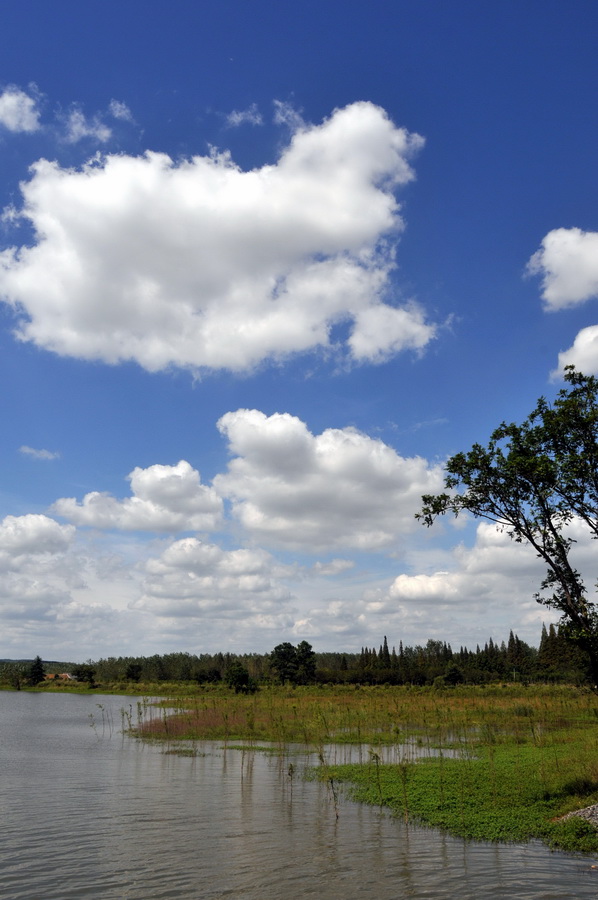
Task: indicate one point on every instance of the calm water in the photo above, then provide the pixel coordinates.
(88, 813)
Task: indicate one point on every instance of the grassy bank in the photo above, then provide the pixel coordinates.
(496, 763)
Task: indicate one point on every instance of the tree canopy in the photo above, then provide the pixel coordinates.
(296, 665)
(539, 481)
(238, 677)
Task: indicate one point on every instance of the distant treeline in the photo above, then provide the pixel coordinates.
(555, 660)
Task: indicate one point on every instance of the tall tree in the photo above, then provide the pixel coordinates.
(384, 656)
(36, 672)
(539, 481)
(294, 664)
(283, 660)
(306, 663)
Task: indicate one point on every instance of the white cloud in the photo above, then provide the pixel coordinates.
(286, 114)
(568, 264)
(191, 578)
(32, 534)
(382, 331)
(165, 499)
(79, 127)
(440, 586)
(489, 589)
(250, 116)
(337, 489)
(18, 111)
(199, 264)
(288, 488)
(494, 561)
(38, 454)
(120, 110)
(583, 354)
(33, 573)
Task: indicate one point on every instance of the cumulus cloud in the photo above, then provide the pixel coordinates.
(200, 264)
(165, 498)
(488, 570)
(250, 116)
(382, 331)
(18, 110)
(32, 534)
(33, 573)
(191, 578)
(38, 454)
(568, 264)
(583, 354)
(487, 591)
(341, 488)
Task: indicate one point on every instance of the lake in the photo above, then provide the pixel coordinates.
(88, 812)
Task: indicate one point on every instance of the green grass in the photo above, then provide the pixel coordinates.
(505, 792)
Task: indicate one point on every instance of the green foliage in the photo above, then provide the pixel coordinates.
(283, 661)
(85, 672)
(13, 674)
(453, 675)
(296, 665)
(535, 480)
(36, 672)
(238, 677)
(133, 672)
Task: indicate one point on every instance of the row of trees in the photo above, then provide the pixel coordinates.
(557, 659)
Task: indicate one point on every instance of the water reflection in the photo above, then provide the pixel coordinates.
(89, 813)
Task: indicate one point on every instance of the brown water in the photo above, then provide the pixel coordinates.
(88, 813)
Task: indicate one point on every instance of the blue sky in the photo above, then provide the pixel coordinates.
(262, 271)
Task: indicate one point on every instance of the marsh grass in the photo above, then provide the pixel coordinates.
(376, 715)
(495, 763)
